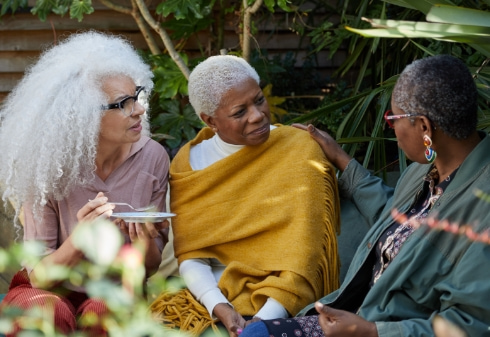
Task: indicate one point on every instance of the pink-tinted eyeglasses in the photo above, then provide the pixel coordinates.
(389, 117)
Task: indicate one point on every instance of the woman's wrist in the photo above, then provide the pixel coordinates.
(342, 161)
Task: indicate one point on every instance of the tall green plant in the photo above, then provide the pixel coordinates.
(468, 26)
(392, 45)
(361, 129)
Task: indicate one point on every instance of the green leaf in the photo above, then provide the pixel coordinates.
(353, 58)
(265, 67)
(172, 107)
(114, 295)
(430, 27)
(189, 131)
(353, 140)
(79, 8)
(177, 139)
(62, 7)
(6, 324)
(330, 108)
(172, 120)
(180, 8)
(99, 240)
(169, 80)
(448, 32)
(57, 272)
(484, 49)
(176, 122)
(170, 84)
(29, 253)
(401, 3)
(42, 8)
(4, 260)
(422, 5)
(191, 117)
(426, 50)
(459, 15)
(322, 36)
(186, 27)
(61, 10)
(270, 5)
(13, 5)
(283, 4)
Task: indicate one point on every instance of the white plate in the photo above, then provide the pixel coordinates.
(143, 216)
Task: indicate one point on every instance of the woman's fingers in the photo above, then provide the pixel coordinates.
(154, 228)
(123, 226)
(138, 232)
(132, 231)
(96, 208)
(299, 126)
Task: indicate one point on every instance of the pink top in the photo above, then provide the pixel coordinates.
(140, 180)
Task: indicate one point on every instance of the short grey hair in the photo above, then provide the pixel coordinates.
(215, 76)
(442, 88)
(49, 123)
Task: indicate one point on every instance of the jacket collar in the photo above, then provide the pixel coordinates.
(472, 166)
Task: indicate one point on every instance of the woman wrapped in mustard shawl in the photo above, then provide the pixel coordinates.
(254, 235)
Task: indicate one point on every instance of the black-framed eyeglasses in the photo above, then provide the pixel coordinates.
(126, 105)
(389, 117)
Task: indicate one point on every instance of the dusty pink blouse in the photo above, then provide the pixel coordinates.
(140, 180)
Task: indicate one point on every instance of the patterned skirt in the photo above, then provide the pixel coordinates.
(306, 326)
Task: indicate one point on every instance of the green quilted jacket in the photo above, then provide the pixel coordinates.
(435, 272)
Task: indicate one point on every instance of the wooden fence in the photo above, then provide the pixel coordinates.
(23, 36)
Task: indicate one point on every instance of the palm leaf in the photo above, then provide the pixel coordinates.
(423, 6)
(458, 15)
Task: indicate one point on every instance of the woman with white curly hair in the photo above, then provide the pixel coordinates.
(255, 202)
(73, 130)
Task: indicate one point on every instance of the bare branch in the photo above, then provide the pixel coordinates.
(117, 8)
(150, 41)
(255, 6)
(164, 36)
(145, 31)
(247, 18)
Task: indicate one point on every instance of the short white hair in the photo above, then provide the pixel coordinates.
(49, 124)
(215, 76)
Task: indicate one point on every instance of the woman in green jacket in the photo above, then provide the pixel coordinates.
(406, 272)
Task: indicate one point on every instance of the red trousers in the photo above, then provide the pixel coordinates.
(66, 309)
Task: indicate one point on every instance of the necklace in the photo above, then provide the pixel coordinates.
(396, 235)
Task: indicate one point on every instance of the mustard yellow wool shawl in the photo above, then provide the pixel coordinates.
(270, 213)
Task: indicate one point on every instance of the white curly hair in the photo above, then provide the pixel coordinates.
(49, 123)
(213, 77)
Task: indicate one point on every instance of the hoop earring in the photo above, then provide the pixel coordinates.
(430, 154)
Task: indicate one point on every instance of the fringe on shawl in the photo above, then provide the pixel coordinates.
(329, 268)
(181, 310)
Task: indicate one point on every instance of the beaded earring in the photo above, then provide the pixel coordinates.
(430, 154)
